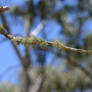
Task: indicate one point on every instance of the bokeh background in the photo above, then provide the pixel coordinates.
(28, 69)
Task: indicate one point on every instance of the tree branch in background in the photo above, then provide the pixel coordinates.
(77, 65)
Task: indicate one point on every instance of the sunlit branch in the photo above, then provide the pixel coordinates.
(33, 40)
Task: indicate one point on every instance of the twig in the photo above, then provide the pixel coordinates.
(34, 41)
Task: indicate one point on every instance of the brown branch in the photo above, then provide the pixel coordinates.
(27, 48)
(34, 41)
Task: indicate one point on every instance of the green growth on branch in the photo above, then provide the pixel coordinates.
(35, 41)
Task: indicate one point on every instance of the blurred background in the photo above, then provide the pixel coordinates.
(28, 69)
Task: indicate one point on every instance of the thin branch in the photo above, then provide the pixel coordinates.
(27, 48)
(34, 41)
